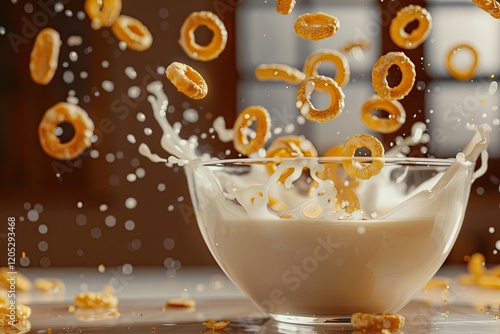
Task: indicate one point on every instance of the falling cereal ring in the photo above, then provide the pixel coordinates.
(45, 56)
(492, 7)
(404, 17)
(187, 80)
(462, 75)
(279, 72)
(285, 7)
(322, 83)
(102, 13)
(316, 26)
(378, 321)
(366, 170)
(289, 147)
(314, 60)
(82, 125)
(347, 200)
(381, 70)
(131, 31)
(243, 121)
(216, 45)
(383, 124)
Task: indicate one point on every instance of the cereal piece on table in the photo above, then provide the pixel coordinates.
(417, 36)
(45, 56)
(378, 321)
(187, 80)
(22, 282)
(392, 123)
(363, 171)
(348, 47)
(438, 282)
(53, 285)
(492, 7)
(316, 26)
(285, 7)
(241, 131)
(102, 13)
(315, 59)
(181, 303)
(279, 72)
(216, 45)
(460, 74)
(22, 313)
(96, 300)
(131, 31)
(216, 325)
(381, 70)
(476, 265)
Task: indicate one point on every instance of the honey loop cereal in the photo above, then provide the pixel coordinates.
(45, 56)
(102, 13)
(95, 300)
(314, 60)
(181, 303)
(363, 170)
(22, 282)
(459, 74)
(325, 84)
(216, 45)
(52, 285)
(396, 111)
(404, 17)
(216, 325)
(285, 7)
(381, 70)
(378, 321)
(243, 121)
(492, 7)
(187, 80)
(131, 31)
(279, 72)
(82, 125)
(316, 26)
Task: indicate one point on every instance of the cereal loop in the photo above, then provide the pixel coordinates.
(351, 46)
(82, 125)
(305, 105)
(131, 31)
(418, 35)
(314, 60)
(381, 70)
(181, 303)
(364, 170)
(458, 74)
(397, 114)
(187, 80)
(243, 121)
(492, 7)
(216, 45)
(279, 72)
(285, 7)
(45, 56)
(216, 325)
(102, 13)
(316, 26)
(378, 321)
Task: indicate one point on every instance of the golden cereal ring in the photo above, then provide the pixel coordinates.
(490, 6)
(131, 31)
(102, 13)
(366, 321)
(52, 285)
(367, 170)
(322, 83)
(279, 72)
(22, 282)
(289, 147)
(316, 26)
(78, 118)
(187, 80)
(462, 75)
(95, 300)
(44, 56)
(314, 60)
(347, 200)
(397, 114)
(405, 16)
(181, 303)
(285, 7)
(216, 45)
(381, 69)
(244, 119)
(348, 47)
(216, 325)
(476, 264)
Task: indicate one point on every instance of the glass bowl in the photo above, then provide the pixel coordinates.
(308, 244)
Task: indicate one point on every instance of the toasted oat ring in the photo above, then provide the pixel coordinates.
(314, 60)
(405, 16)
(316, 26)
(381, 69)
(102, 13)
(462, 75)
(187, 80)
(45, 56)
(490, 6)
(285, 7)
(279, 72)
(366, 321)
(82, 125)
(397, 114)
(305, 105)
(367, 170)
(131, 31)
(244, 119)
(332, 169)
(216, 45)
(347, 200)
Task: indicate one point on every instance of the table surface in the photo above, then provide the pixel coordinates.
(143, 292)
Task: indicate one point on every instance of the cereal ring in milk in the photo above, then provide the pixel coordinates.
(131, 31)
(459, 74)
(305, 105)
(363, 170)
(381, 70)
(396, 111)
(102, 13)
(279, 72)
(82, 125)
(216, 45)
(285, 7)
(314, 60)
(378, 321)
(492, 7)
(45, 56)
(187, 80)
(316, 26)
(243, 121)
(417, 36)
